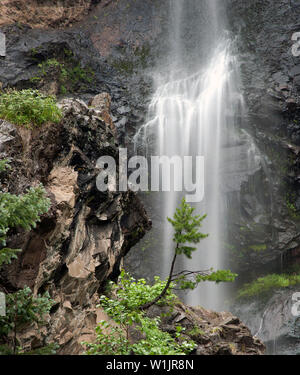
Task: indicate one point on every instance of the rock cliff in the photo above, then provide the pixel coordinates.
(81, 242)
(263, 31)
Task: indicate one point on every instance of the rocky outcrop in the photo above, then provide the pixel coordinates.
(118, 41)
(81, 242)
(214, 333)
(102, 103)
(43, 14)
(270, 318)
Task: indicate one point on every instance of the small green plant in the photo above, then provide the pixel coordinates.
(21, 211)
(7, 255)
(110, 341)
(4, 165)
(124, 66)
(258, 248)
(28, 108)
(143, 54)
(50, 349)
(158, 342)
(196, 331)
(69, 72)
(292, 209)
(266, 284)
(139, 59)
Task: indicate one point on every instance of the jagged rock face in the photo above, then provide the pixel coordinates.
(263, 32)
(49, 13)
(28, 48)
(102, 102)
(270, 317)
(81, 242)
(215, 333)
(116, 27)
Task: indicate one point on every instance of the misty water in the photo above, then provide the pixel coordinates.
(198, 109)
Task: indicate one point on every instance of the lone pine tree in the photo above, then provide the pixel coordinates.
(186, 226)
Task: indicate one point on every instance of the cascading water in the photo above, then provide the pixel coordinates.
(195, 111)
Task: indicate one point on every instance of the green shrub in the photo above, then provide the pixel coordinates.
(69, 72)
(263, 285)
(258, 248)
(28, 108)
(22, 307)
(114, 343)
(124, 309)
(22, 210)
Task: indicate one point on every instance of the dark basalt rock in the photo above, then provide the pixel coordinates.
(271, 319)
(270, 75)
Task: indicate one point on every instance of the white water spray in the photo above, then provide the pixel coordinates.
(195, 114)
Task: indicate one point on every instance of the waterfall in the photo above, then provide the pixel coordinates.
(195, 111)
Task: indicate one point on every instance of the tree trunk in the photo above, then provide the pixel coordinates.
(161, 295)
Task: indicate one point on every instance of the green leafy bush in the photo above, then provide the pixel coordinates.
(22, 307)
(124, 309)
(23, 210)
(4, 165)
(70, 74)
(28, 108)
(110, 341)
(263, 285)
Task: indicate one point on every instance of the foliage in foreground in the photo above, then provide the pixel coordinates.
(22, 307)
(28, 108)
(21, 210)
(123, 308)
(264, 285)
(132, 298)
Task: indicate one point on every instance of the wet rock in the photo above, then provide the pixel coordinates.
(270, 75)
(270, 318)
(123, 110)
(81, 242)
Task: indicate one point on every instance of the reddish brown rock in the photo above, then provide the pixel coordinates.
(48, 13)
